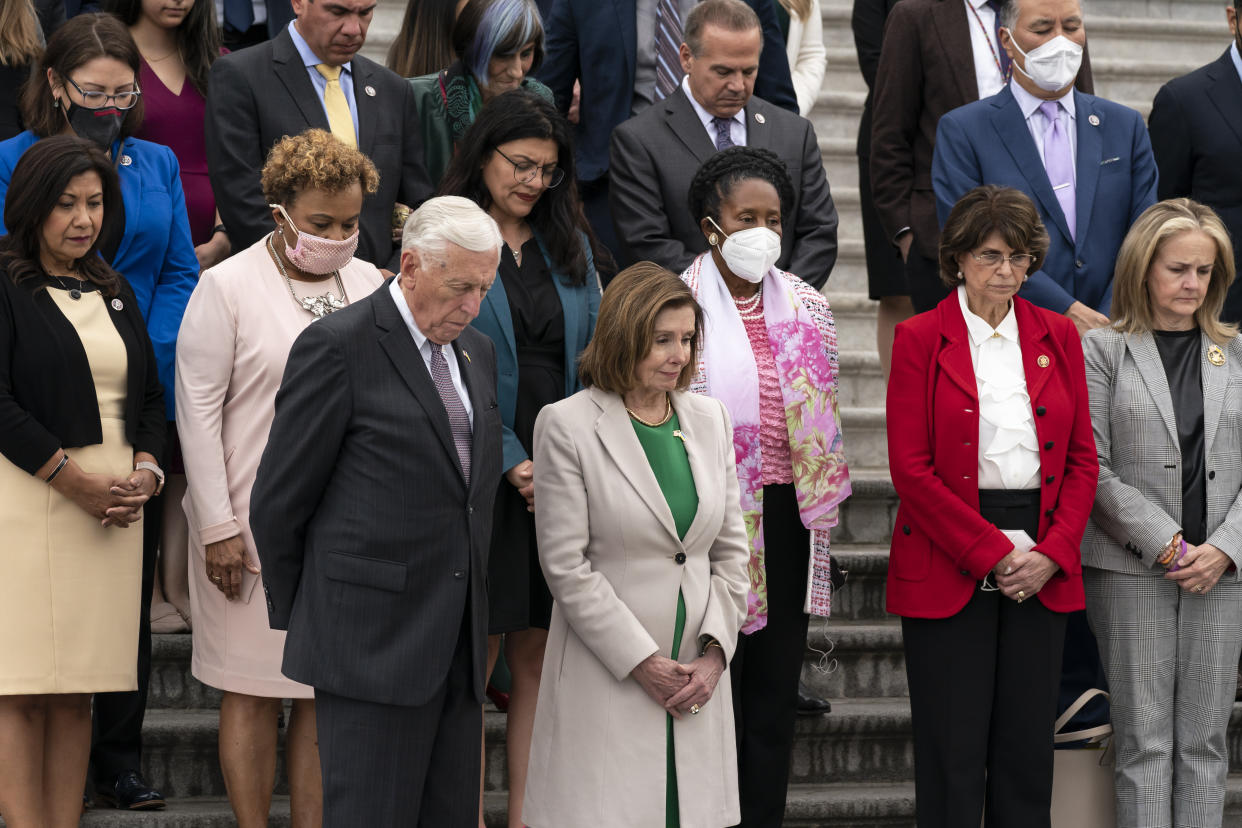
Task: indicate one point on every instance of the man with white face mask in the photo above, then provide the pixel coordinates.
(1086, 162)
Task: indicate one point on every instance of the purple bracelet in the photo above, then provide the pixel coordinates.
(1181, 554)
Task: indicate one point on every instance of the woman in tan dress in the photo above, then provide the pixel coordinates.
(231, 352)
(81, 423)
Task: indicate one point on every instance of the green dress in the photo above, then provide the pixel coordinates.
(666, 454)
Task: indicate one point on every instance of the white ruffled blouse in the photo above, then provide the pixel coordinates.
(1008, 445)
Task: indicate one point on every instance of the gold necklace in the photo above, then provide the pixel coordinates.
(668, 414)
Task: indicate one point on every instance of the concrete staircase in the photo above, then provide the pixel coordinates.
(853, 768)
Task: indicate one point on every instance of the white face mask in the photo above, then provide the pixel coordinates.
(750, 254)
(1052, 65)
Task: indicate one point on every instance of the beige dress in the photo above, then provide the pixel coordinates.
(231, 351)
(69, 588)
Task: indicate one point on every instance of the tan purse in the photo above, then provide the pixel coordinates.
(1082, 778)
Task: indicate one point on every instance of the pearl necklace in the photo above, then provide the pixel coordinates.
(750, 308)
(668, 413)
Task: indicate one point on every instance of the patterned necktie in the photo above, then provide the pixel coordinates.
(337, 107)
(668, 49)
(459, 420)
(1059, 164)
(724, 139)
(1001, 54)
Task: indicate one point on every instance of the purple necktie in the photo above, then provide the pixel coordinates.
(724, 138)
(1001, 54)
(1059, 164)
(668, 48)
(459, 420)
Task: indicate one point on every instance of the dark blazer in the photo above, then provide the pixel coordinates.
(47, 391)
(262, 93)
(655, 156)
(867, 21)
(942, 547)
(579, 308)
(926, 69)
(988, 142)
(374, 548)
(1196, 135)
(594, 41)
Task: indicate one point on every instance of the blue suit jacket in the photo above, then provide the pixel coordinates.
(580, 304)
(987, 142)
(595, 41)
(155, 255)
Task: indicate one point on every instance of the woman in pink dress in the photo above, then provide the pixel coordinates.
(231, 352)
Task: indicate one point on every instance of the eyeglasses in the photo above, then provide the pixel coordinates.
(524, 171)
(98, 100)
(1020, 261)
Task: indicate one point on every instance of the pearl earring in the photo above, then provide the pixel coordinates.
(713, 239)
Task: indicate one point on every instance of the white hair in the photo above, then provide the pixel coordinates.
(450, 220)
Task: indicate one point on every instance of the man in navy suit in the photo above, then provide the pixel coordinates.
(1085, 162)
(609, 47)
(1196, 134)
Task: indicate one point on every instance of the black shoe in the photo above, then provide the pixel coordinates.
(809, 705)
(130, 792)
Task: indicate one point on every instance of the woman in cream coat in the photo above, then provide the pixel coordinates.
(634, 725)
(231, 353)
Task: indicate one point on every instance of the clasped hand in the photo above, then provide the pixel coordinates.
(679, 687)
(114, 501)
(1023, 572)
(1200, 568)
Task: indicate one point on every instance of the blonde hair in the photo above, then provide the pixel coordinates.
(21, 40)
(800, 9)
(314, 160)
(1160, 222)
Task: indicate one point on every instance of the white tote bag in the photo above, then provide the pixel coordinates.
(1082, 778)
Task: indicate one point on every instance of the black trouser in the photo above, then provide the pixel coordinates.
(767, 665)
(594, 195)
(923, 277)
(983, 696)
(116, 743)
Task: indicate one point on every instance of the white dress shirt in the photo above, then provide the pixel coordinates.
(425, 345)
(985, 48)
(737, 124)
(1038, 124)
(1008, 445)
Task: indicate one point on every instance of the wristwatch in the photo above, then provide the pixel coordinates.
(155, 470)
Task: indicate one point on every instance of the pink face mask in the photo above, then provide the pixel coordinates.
(315, 254)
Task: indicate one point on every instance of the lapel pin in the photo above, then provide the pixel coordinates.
(759, 117)
(1216, 356)
(677, 433)
(126, 160)
(370, 90)
(466, 354)
(1043, 361)
(1094, 120)
(117, 305)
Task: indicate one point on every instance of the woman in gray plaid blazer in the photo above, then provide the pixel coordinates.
(1161, 551)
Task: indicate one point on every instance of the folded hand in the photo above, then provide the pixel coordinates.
(661, 678)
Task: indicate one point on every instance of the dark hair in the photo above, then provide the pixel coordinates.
(626, 327)
(198, 36)
(980, 213)
(424, 44)
(730, 15)
(557, 215)
(79, 41)
(718, 175)
(489, 28)
(41, 175)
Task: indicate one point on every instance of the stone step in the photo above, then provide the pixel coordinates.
(854, 314)
(866, 437)
(867, 517)
(862, 597)
(862, 381)
(855, 659)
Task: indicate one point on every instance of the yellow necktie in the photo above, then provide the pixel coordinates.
(338, 108)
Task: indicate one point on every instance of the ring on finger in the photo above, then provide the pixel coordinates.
(694, 709)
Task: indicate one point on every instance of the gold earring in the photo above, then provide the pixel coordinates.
(713, 239)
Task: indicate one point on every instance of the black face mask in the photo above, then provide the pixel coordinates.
(99, 126)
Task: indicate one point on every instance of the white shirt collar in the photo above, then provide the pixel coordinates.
(978, 4)
(1030, 104)
(403, 308)
(980, 331)
(704, 116)
(309, 58)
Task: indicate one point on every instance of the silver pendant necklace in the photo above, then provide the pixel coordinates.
(319, 306)
(75, 293)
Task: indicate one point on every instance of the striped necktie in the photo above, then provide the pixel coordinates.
(459, 420)
(668, 49)
(337, 107)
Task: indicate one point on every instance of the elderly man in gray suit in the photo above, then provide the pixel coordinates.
(372, 511)
(655, 155)
(311, 75)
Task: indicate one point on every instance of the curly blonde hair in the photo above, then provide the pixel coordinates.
(314, 160)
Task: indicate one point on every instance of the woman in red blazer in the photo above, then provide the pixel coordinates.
(992, 455)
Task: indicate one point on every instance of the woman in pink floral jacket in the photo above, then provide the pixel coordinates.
(770, 355)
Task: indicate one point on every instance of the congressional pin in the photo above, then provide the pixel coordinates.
(117, 305)
(370, 90)
(1215, 355)
(1094, 120)
(466, 354)
(1043, 361)
(126, 160)
(759, 117)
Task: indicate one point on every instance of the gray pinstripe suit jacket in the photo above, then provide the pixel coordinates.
(1138, 503)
